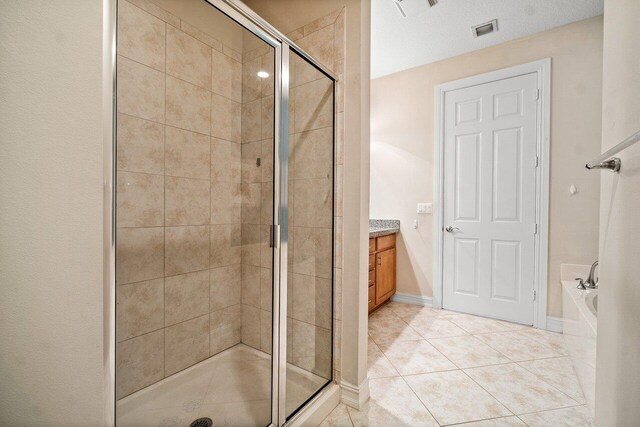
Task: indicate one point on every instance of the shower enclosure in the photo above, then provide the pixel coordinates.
(224, 217)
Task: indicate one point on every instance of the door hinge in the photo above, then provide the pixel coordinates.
(537, 162)
(537, 94)
(274, 236)
(535, 228)
(534, 295)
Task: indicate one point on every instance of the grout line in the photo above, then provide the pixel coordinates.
(526, 360)
(511, 362)
(484, 419)
(169, 176)
(349, 413)
(166, 327)
(488, 392)
(168, 74)
(164, 201)
(554, 387)
(553, 409)
(175, 127)
(420, 400)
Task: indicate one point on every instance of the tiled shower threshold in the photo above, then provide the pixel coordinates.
(232, 388)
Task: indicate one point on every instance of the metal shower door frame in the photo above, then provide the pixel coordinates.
(283, 48)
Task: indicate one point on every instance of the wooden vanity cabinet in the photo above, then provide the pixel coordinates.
(382, 270)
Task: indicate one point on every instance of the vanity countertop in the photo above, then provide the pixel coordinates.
(383, 227)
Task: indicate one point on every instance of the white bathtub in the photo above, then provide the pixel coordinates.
(580, 326)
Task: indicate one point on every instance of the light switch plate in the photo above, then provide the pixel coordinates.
(425, 208)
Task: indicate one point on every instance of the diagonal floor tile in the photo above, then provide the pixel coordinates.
(378, 366)
(468, 352)
(551, 339)
(383, 312)
(514, 326)
(405, 310)
(577, 416)
(435, 327)
(391, 329)
(452, 397)
(518, 346)
(518, 389)
(496, 422)
(392, 403)
(339, 417)
(475, 324)
(559, 373)
(415, 357)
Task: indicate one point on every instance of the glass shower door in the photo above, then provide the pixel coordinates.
(194, 203)
(218, 119)
(310, 232)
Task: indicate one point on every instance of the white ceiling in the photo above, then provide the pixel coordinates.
(432, 34)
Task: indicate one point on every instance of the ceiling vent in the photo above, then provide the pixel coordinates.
(412, 7)
(486, 28)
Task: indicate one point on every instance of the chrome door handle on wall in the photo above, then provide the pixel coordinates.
(451, 229)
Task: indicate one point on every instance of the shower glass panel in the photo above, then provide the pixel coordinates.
(224, 304)
(310, 230)
(194, 205)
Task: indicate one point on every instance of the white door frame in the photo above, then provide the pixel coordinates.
(543, 70)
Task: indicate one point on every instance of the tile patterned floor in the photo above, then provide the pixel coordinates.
(435, 367)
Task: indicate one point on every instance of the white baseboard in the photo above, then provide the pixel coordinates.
(355, 396)
(554, 324)
(412, 299)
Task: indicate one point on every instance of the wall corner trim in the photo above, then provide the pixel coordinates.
(412, 299)
(355, 396)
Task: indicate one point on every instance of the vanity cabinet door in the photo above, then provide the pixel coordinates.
(372, 297)
(385, 274)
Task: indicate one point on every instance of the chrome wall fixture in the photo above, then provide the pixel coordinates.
(613, 164)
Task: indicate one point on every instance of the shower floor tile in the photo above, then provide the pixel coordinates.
(232, 388)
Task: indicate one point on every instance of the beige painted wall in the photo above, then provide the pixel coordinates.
(402, 147)
(618, 355)
(51, 367)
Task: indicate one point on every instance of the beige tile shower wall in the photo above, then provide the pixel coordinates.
(257, 194)
(179, 187)
(311, 200)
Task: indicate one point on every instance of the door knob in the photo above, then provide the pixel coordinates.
(451, 229)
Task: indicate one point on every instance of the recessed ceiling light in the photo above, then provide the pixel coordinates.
(263, 74)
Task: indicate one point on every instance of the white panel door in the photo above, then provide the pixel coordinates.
(489, 198)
